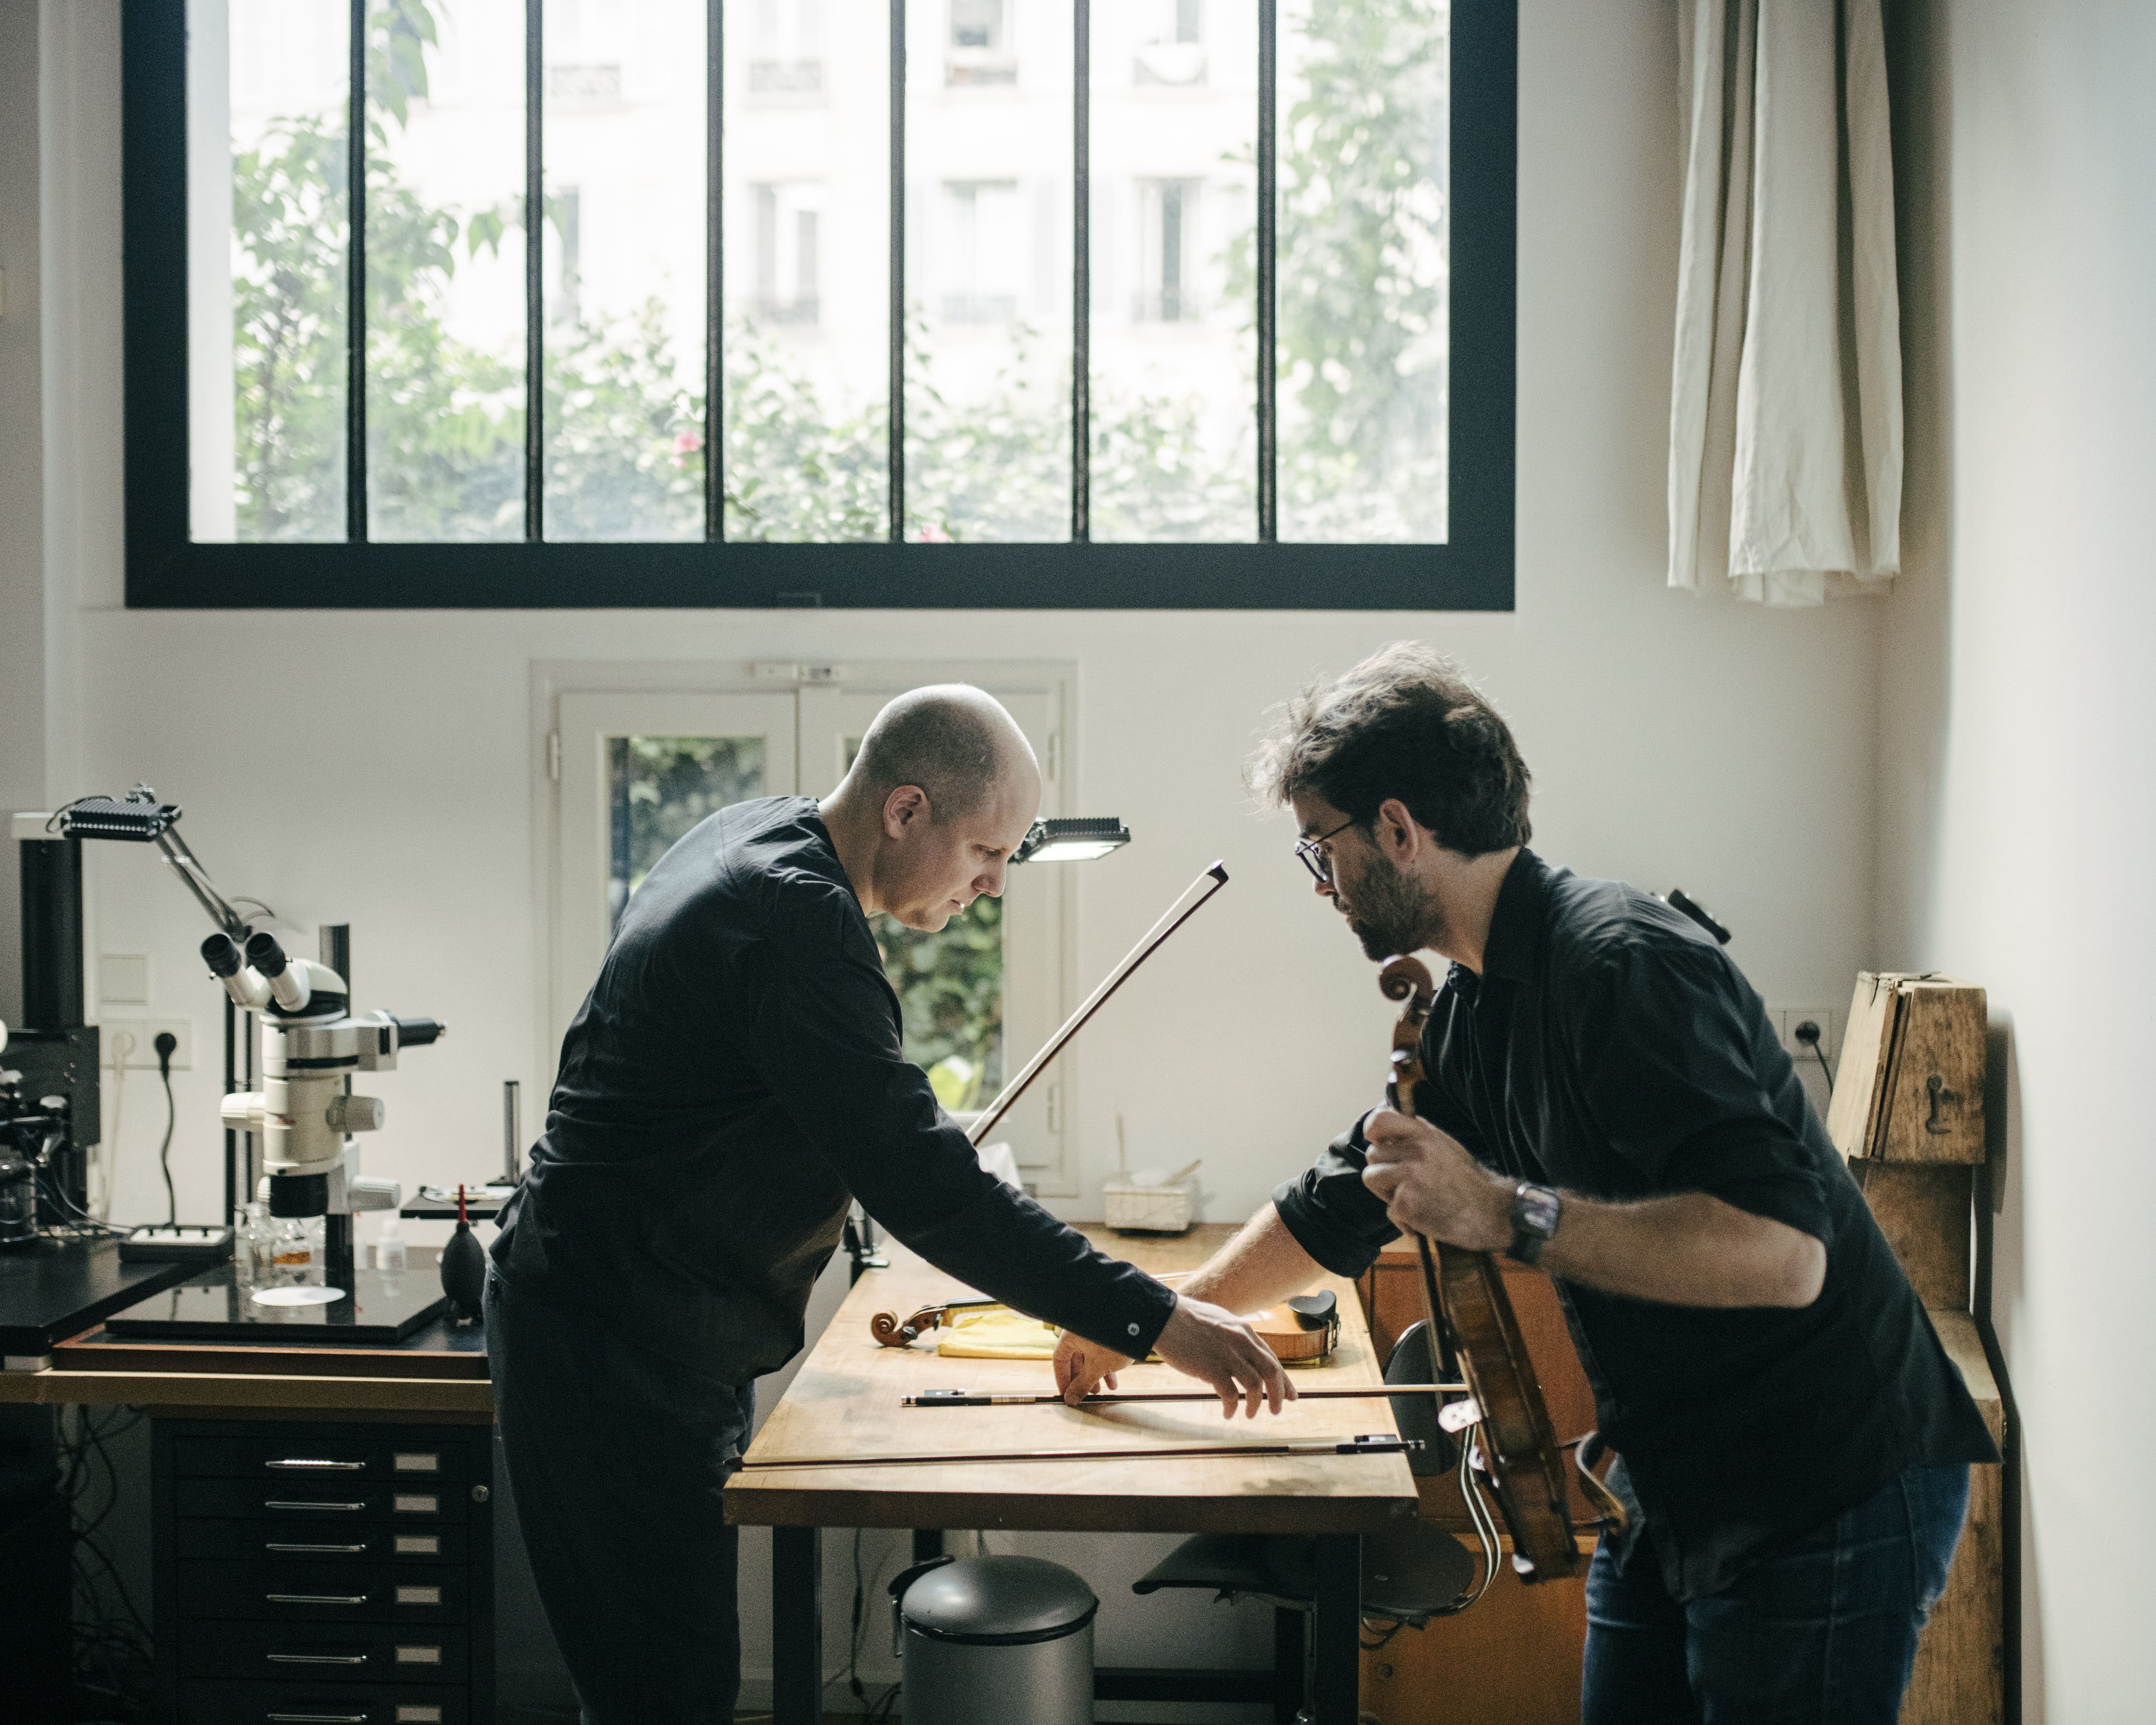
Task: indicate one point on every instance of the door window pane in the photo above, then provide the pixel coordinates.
(1365, 196)
(267, 249)
(446, 270)
(950, 990)
(659, 786)
(989, 177)
(1174, 278)
(623, 267)
(807, 246)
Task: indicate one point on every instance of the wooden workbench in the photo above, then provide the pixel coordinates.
(846, 1401)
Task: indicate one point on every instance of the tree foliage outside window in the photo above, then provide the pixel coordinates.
(1361, 321)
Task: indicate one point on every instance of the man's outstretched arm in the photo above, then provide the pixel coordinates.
(1263, 1263)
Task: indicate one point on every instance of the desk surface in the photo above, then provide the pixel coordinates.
(846, 1401)
(439, 1372)
(51, 1289)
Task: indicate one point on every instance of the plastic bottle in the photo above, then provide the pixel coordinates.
(389, 1253)
(255, 1246)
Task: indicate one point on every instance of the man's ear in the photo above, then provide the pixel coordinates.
(1395, 831)
(905, 807)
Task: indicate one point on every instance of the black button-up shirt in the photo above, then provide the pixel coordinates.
(735, 1078)
(1612, 1049)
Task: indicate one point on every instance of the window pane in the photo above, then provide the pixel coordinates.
(659, 787)
(267, 240)
(1364, 199)
(622, 266)
(1175, 312)
(989, 189)
(445, 269)
(807, 247)
(950, 990)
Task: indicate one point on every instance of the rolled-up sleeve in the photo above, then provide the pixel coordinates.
(1333, 1216)
(824, 1027)
(1671, 1078)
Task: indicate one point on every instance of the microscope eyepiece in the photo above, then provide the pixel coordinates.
(265, 954)
(222, 955)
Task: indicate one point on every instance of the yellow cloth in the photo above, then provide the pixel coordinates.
(997, 1333)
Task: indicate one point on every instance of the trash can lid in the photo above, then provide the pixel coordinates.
(999, 1602)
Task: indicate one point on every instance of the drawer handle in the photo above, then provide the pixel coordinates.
(317, 1718)
(317, 1658)
(316, 1599)
(284, 1545)
(298, 1503)
(312, 1464)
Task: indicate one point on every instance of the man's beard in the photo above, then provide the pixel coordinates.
(1389, 913)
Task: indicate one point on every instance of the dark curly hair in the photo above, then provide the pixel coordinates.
(1403, 723)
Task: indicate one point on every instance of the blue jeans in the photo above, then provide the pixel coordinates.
(1822, 1632)
(616, 1459)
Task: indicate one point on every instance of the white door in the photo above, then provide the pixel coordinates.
(638, 769)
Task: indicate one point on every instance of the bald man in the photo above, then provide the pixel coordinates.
(734, 1080)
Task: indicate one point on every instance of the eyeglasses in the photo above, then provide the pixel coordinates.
(1315, 858)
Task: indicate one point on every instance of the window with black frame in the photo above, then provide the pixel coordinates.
(1001, 302)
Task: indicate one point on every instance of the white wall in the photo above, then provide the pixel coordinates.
(2017, 737)
(374, 768)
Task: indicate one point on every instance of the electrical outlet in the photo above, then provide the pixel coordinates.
(1788, 1018)
(144, 1054)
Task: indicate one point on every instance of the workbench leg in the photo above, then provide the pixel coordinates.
(1290, 1669)
(1336, 1631)
(797, 1626)
(927, 1543)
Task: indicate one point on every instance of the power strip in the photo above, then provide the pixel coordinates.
(170, 1244)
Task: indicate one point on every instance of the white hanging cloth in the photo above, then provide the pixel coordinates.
(1785, 410)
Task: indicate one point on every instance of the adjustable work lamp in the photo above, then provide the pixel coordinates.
(1075, 840)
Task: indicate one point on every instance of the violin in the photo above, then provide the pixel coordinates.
(1302, 1331)
(1471, 1316)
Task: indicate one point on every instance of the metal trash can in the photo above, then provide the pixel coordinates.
(992, 1640)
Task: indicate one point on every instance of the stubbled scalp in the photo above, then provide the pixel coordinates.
(955, 741)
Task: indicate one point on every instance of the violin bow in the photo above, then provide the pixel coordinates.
(994, 1399)
(1375, 1444)
(1194, 898)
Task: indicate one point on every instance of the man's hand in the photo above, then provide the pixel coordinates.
(1431, 1185)
(1082, 1367)
(1203, 1341)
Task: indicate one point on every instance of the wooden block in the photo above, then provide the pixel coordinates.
(1910, 1086)
(1923, 1207)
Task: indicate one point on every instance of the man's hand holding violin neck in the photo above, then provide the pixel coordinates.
(1431, 1185)
(1207, 1342)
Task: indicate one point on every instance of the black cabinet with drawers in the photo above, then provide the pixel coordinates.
(317, 1573)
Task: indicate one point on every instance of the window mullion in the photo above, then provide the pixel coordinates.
(1268, 295)
(896, 452)
(355, 405)
(1081, 278)
(714, 101)
(535, 328)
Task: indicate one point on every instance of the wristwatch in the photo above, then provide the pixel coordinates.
(1535, 1213)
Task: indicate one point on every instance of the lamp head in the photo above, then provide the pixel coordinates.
(1072, 840)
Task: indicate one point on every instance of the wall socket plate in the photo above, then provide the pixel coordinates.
(144, 1054)
(1786, 1018)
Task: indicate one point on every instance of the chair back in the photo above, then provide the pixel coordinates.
(1414, 1361)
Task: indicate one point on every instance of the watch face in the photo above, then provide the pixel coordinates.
(1536, 1210)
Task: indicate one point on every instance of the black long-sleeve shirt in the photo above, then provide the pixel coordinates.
(734, 1080)
(1611, 1048)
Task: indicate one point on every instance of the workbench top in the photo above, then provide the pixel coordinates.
(846, 1401)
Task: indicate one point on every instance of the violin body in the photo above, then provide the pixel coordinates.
(1299, 1332)
(1464, 1297)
